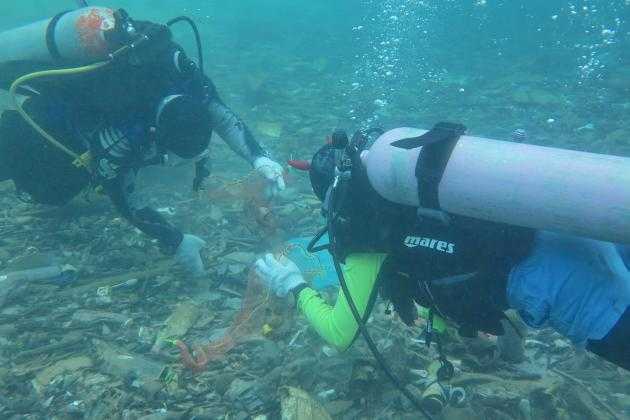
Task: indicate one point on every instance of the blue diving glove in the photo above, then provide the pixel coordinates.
(187, 255)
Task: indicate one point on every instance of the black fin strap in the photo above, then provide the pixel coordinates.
(51, 42)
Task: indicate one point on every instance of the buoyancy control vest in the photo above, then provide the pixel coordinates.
(459, 270)
(36, 168)
(457, 266)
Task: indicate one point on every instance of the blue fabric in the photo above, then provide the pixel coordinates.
(624, 251)
(318, 268)
(565, 284)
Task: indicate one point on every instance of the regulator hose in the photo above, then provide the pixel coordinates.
(195, 30)
(335, 202)
(79, 160)
(83, 160)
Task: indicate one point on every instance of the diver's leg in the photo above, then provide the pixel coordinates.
(572, 284)
(624, 251)
(44, 172)
(612, 258)
(615, 347)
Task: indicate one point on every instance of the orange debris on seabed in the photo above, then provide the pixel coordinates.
(247, 323)
(251, 190)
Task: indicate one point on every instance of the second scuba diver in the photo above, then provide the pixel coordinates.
(149, 101)
(466, 270)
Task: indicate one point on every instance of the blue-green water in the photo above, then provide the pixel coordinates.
(295, 70)
(412, 62)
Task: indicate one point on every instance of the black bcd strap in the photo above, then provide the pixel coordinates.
(51, 42)
(437, 145)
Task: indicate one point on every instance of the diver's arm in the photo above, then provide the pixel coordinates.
(336, 324)
(149, 221)
(232, 129)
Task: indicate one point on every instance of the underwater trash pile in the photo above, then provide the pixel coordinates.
(247, 322)
(86, 348)
(96, 323)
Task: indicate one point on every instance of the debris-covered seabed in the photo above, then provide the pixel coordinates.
(102, 345)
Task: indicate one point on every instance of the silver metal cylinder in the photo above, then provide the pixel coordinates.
(74, 38)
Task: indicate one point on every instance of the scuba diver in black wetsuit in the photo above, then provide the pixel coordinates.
(466, 270)
(147, 100)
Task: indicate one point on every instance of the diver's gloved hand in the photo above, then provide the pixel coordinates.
(281, 278)
(187, 254)
(272, 172)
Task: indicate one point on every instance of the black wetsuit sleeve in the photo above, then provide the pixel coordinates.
(149, 221)
(232, 129)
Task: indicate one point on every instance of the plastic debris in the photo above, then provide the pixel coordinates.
(59, 274)
(118, 362)
(72, 364)
(511, 344)
(89, 317)
(177, 325)
(298, 405)
(318, 268)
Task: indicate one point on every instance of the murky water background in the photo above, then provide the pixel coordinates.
(295, 70)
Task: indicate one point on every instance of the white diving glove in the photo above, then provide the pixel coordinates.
(187, 255)
(272, 172)
(280, 278)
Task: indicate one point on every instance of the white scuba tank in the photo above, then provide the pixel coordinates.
(545, 188)
(76, 37)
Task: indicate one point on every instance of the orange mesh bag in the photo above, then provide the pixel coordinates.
(250, 190)
(249, 321)
(258, 310)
